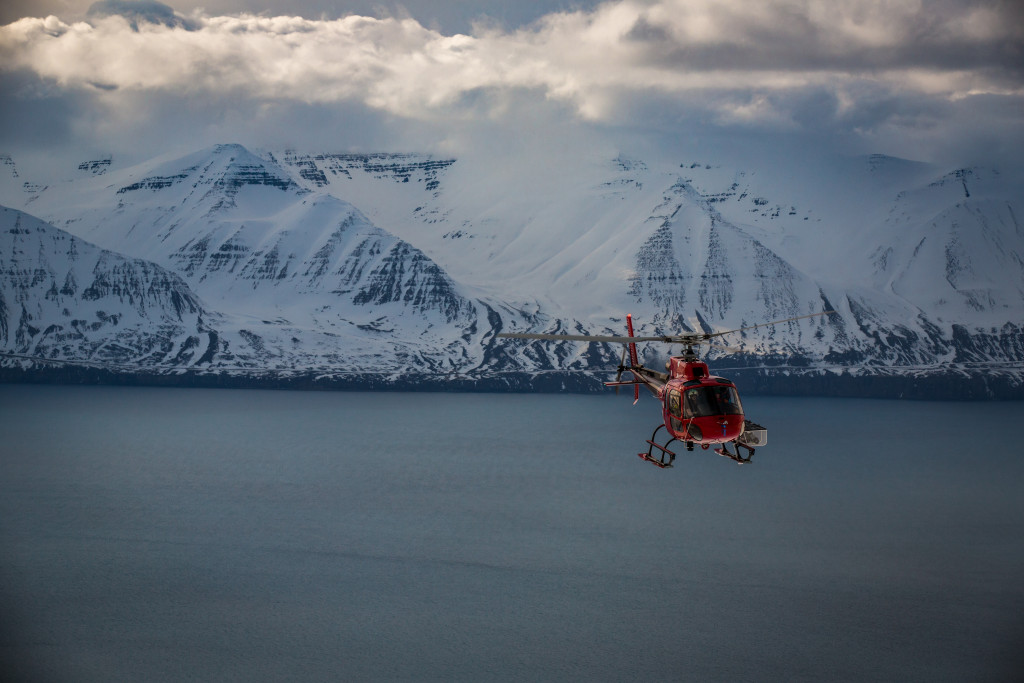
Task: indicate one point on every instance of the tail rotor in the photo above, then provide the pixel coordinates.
(632, 356)
(622, 366)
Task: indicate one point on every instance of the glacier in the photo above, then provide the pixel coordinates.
(239, 267)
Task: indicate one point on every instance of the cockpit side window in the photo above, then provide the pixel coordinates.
(674, 403)
(675, 409)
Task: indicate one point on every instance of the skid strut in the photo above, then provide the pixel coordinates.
(740, 460)
(665, 459)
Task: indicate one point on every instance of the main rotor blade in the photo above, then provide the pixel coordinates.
(682, 339)
(691, 338)
(774, 322)
(587, 337)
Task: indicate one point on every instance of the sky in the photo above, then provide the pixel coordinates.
(939, 80)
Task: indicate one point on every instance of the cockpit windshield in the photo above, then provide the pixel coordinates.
(711, 400)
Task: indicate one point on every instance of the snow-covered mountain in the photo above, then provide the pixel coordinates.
(62, 297)
(300, 281)
(401, 263)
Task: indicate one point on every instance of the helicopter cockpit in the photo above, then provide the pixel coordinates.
(711, 399)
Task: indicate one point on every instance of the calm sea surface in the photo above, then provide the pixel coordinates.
(175, 534)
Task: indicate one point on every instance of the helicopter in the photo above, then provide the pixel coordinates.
(697, 407)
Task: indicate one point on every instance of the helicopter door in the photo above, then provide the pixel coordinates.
(675, 409)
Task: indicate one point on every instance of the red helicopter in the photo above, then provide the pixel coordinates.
(697, 407)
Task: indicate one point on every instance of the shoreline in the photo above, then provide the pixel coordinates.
(940, 384)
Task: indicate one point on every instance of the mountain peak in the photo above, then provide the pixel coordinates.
(242, 168)
(226, 168)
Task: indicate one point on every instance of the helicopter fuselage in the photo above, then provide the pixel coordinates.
(697, 407)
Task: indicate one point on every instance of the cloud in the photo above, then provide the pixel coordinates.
(856, 67)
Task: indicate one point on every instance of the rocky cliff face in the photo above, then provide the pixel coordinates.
(421, 171)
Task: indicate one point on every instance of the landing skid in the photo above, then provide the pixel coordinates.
(666, 456)
(740, 460)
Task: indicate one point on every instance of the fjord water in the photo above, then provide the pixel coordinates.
(174, 534)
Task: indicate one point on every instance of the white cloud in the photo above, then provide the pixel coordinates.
(626, 46)
(732, 62)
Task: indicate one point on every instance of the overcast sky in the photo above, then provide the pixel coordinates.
(939, 81)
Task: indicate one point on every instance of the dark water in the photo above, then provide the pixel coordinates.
(172, 534)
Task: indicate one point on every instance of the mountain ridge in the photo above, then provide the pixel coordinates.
(439, 256)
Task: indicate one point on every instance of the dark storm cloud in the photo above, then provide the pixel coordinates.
(36, 114)
(941, 36)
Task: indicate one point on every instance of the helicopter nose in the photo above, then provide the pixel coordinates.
(731, 427)
(717, 429)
